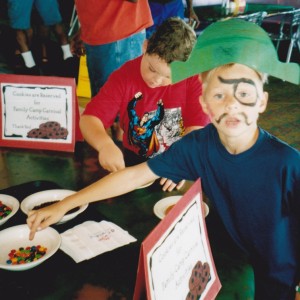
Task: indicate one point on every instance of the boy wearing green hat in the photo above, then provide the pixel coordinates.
(251, 177)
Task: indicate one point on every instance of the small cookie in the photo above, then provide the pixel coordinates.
(196, 276)
(192, 296)
(50, 125)
(206, 271)
(60, 133)
(33, 133)
(42, 134)
(37, 133)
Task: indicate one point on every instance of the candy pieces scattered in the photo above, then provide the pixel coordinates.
(4, 210)
(26, 255)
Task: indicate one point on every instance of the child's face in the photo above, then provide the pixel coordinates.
(233, 97)
(155, 71)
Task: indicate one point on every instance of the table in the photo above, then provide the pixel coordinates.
(24, 172)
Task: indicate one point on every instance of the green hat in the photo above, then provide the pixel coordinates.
(235, 41)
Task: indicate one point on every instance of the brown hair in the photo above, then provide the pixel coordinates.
(173, 40)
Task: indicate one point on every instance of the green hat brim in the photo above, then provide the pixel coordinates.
(235, 41)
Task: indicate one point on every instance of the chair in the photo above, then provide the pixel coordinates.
(288, 29)
(256, 17)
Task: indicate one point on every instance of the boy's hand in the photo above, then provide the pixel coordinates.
(169, 185)
(44, 217)
(111, 158)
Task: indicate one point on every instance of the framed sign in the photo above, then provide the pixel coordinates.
(175, 259)
(38, 112)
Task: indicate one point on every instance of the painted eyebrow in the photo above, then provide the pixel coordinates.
(237, 81)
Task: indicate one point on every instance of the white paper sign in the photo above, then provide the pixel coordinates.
(26, 108)
(38, 112)
(176, 254)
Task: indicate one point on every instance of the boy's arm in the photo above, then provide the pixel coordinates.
(110, 156)
(112, 185)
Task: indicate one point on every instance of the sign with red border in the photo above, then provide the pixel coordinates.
(175, 259)
(38, 112)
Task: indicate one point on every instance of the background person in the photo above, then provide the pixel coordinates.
(112, 33)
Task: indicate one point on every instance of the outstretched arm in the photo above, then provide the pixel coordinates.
(112, 185)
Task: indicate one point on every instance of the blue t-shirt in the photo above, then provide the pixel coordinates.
(256, 193)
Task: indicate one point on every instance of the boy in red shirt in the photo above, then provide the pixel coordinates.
(141, 89)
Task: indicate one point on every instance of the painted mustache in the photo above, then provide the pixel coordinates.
(243, 115)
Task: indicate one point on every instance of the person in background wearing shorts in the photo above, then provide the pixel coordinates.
(20, 20)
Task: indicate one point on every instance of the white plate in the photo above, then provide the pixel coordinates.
(162, 205)
(18, 236)
(48, 196)
(11, 202)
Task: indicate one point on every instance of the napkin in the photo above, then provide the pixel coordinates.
(91, 238)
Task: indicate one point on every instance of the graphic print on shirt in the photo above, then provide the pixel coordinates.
(153, 132)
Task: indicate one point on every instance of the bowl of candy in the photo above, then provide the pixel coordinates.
(45, 198)
(8, 207)
(18, 253)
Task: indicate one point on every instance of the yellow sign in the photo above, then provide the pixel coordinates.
(83, 86)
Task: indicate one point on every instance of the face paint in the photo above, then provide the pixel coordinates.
(244, 90)
(218, 120)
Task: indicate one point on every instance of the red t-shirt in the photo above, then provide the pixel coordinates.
(165, 123)
(104, 22)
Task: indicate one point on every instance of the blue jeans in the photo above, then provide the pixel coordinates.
(102, 60)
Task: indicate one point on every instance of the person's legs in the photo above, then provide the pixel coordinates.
(50, 14)
(102, 60)
(19, 15)
(49, 11)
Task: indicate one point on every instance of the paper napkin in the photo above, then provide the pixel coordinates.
(91, 238)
